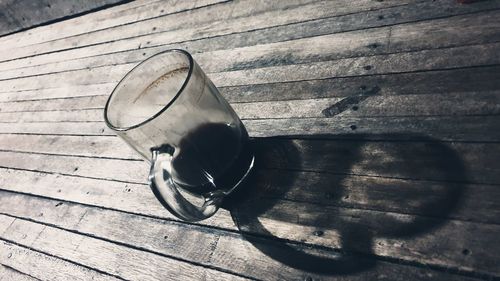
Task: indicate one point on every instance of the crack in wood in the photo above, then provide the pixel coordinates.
(389, 38)
(37, 236)
(11, 223)
(80, 219)
(347, 102)
(213, 247)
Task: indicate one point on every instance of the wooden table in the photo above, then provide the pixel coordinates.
(375, 124)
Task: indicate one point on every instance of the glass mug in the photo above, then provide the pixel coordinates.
(169, 111)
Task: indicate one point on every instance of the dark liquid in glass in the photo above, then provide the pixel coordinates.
(213, 156)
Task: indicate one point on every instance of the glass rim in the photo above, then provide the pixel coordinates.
(167, 105)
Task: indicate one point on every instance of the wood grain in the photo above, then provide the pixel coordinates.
(446, 128)
(164, 237)
(172, 7)
(374, 125)
(428, 82)
(58, 92)
(370, 41)
(265, 55)
(381, 64)
(433, 82)
(7, 273)
(465, 163)
(104, 19)
(206, 17)
(447, 58)
(103, 49)
(128, 263)
(22, 15)
(440, 128)
(40, 266)
(368, 105)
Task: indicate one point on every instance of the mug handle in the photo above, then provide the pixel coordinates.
(167, 192)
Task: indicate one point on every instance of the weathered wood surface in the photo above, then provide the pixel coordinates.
(35, 265)
(25, 14)
(165, 237)
(371, 42)
(133, 12)
(103, 255)
(7, 273)
(375, 125)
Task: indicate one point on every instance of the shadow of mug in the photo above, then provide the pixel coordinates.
(337, 193)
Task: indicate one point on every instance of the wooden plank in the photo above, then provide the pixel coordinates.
(462, 201)
(7, 273)
(102, 146)
(84, 102)
(114, 49)
(337, 186)
(446, 128)
(106, 169)
(388, 16)
(89, 222)
(359, 188)
(94, 115)
(128, 263)
(257, 13)
(75, 103)
(452, 104)
(139, 200)
(434, 82)
(357, 227)
(432, 34)
(447, 58)
(99, 20)
(133, 198)
(370, 106)
(109, 74)
(402, 38)
(430, 159)
(314, 29)
(478, 159)
(173, 7)
(40, 266)
(277, 16)
(470, 128)
(62, 92)
(78, 22)
(165, 237)
(446, 30)
(428, 82)
(63, 128)
(22, 15)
